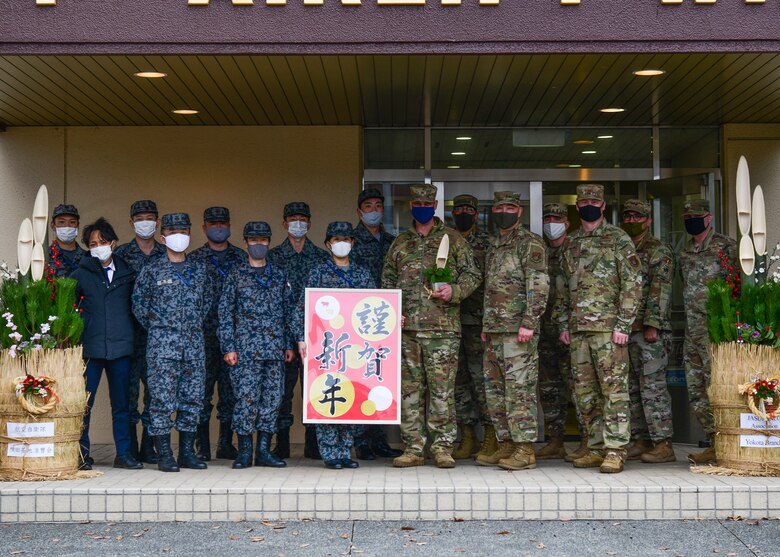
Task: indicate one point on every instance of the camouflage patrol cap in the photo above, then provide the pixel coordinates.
(339, 228)
(297, 208)
(467, 200)
(63, 209)
(257, 229)
(216, 214)
(176, 220)
(507, 198)
(638, 206)
(370, 193)
(696, 207)
(423, 192)
(590, 191)
(143, 206)
(555, 210)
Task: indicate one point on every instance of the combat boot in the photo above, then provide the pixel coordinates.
(311, 449)
(505, 450)
(522, 459)
(166, 462)
(639, 447)
(147, 454)
(613, 462)
(552, 450)
(490, 444)
(363, 448)
(443, 459)
(263, 454)
(282, 448)
(468, 443)
(204, 442)
(591, 460)
(134, 441)
(244, 458)
(705, 457)
(662, 452)
(581, 451)
(380, 447)
(408, 459)
(225, 448)
(187, 457)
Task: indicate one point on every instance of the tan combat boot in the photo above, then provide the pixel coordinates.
(443, 460)
(490, 444)
(704, 457)
(613, 462)
(552, 450)
(468, 443)
(581, 451)
(408, 459)
(662, 452)
(593, 459)
(638, 448)
(522, 459)
(505, 450)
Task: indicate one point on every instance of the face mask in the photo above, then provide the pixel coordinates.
(297, 228)
(341, 249)
(695, 225)
(634, 229)
(101, 252)
(218, 234)
(372, 219)
(554, 230)
(257, 251)
(66, 234)
(463, 221)
(177, 242)
(505, 220)
(145, 228)
(589, 213)
(423, 215)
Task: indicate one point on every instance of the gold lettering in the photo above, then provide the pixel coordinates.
(45, 2)
(570, 2)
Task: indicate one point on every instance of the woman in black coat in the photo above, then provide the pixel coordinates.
(104, 288)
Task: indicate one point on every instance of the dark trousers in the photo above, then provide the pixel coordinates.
(293, 372)
(118, 374)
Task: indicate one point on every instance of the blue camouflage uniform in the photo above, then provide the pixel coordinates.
(369, 252)
(62, 262)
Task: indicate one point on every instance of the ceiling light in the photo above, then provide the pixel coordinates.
(604, 137)
(589, 152)
(150, 74)
(458, 153)
(649, 73)
(185, 111)
(453, 166)
(612, 110)
(575, 165)
(463, 138)
(583, 142)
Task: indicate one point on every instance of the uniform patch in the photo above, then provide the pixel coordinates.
(536, 258)
(634, 260)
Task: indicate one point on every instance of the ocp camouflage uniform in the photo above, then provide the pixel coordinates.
(600, 290)
(431, 333)
(516, 291)
(698, 266)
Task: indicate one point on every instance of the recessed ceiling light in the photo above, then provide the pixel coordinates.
(575, 166)
(150, 75)
(589, 152)
(453, 166)
(583, 142)
(649, 73)
(612, 110)
(185, 111)
(458, 153)
(604, 137)
(463, 138)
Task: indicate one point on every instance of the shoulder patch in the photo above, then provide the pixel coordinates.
(633, 259)
(536, 257)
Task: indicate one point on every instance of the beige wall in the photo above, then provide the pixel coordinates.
(253, 171)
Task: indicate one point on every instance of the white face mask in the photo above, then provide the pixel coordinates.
(177, 242)
(297, 228)
(554, 230)
(145, 228)
(101, 252)
(66, 234)
(341, 249)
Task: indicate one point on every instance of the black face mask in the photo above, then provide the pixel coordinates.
(463, 221)
(695, 225)
(589, 213)
(505, 220)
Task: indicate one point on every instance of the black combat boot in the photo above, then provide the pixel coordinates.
(263, 454)
(363, 448)
(204, 442)
(187, 458)
(282, 448)
(379, 443)
(147, 454)
(166, 462)
(134, 441)
(311, 449)
(225, 448)
(244, 458)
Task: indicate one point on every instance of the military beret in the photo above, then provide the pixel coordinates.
(555, 210)
(466, 199)
(638, 206)
(507, 198)
(590, 191)
(296, 208)
(63, 209)
(176, 220)
(339, 228)
(216, 214)
(143, 206)
(423, 192)
(257, 229)
(370, 193)
(696, 207)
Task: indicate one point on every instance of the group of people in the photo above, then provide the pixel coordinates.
(594, 304)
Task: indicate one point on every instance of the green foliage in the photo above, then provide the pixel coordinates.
(436, 274)
(753, 317)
